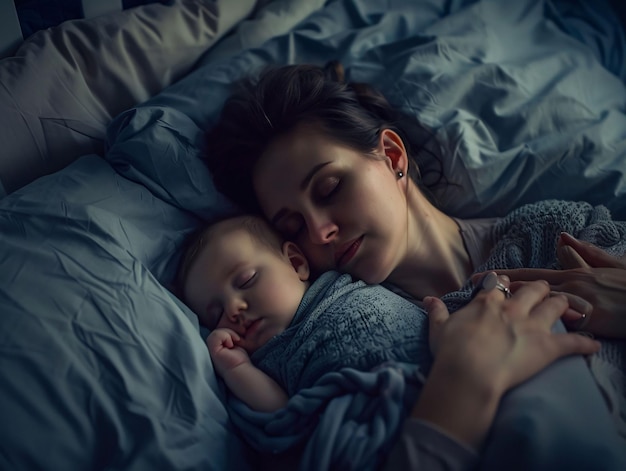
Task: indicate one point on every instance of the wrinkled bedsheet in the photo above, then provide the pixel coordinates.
(101, 365)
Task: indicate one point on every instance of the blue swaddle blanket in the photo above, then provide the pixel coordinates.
(352, 361)
(345, 323)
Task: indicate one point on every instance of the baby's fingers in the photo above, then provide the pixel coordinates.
(222, 337)
(231, 339)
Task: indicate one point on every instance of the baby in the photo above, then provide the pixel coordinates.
(253, 290)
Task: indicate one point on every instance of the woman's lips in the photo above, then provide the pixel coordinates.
(347, 252)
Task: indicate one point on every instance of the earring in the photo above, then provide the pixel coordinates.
(400, 175)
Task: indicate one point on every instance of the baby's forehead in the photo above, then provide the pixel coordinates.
(226, 228)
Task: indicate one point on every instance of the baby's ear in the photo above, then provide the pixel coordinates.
(297, 259)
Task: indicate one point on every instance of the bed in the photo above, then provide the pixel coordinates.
(101, 365)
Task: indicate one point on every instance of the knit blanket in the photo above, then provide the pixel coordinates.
(353, 362)
(527, 238)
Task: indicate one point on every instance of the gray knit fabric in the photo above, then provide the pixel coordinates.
(344, 323)
(527, 237)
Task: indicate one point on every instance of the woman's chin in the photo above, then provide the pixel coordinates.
(369, 276)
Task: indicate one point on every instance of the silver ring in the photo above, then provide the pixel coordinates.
(489, 282)
(504, 289)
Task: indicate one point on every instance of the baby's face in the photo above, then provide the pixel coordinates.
(242, 284)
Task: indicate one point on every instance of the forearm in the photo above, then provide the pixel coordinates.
(421, 445)
(462, 407)
(255, 388)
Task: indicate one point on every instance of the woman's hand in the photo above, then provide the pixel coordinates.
(574, 253)
(491, 345)
(591, 274)
(508, 339)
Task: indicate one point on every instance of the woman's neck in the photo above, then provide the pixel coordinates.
(436, 261)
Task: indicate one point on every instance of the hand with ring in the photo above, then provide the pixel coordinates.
(503, 334)
(500, 339)
(489, 282)
(592, 275)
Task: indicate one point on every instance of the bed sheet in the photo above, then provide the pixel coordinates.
(506, 87)
(102, 365)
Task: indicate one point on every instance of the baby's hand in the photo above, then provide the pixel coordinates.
(225, 352)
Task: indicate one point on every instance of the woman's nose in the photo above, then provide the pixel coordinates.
(322, 229)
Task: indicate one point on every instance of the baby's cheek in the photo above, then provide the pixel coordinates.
(320, 259)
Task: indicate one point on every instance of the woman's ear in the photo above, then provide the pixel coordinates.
(391, 146)
(297, 259)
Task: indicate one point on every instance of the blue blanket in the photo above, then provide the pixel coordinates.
(353, 361)
(343, 323)
(102, 367)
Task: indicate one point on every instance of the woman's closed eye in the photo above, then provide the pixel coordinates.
(327, 188)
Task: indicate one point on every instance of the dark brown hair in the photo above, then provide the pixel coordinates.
(257, 227)
(354, 114)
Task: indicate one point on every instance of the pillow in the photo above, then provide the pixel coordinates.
(64, 84)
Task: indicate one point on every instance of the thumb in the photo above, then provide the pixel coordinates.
(569, 258)
(437, 316)
(437, 312)
(591, 254)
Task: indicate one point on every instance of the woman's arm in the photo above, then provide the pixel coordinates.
(246, 381)
(485, 349)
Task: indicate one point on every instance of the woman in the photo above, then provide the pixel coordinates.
(328, 163)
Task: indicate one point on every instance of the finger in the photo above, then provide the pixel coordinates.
(491, 281)
(521, 274)
(576, 303)
(437, 313)
(486, 281)
(590, 253)
(573, 344)
(554, 277)
(575, 320)
(549, 310)
(531, 293)
(516, 285)
(230, 332)
(569, 258)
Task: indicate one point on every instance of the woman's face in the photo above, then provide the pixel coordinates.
(347, 211)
